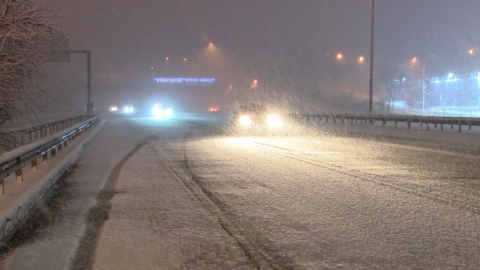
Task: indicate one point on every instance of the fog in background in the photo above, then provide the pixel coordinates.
(290, 47)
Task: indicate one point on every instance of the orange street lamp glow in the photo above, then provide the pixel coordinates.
(166, 58)
(470, 51)
(339, 56)
(211, 44)
(360, 59)
(184, 59)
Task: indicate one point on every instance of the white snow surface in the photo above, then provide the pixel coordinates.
(301, 202)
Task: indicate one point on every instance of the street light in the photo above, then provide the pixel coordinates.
(471, 51)
(211, 44)
(370, 86)
(339, 56)
(360, 59)
(184, 59)
(166, 58)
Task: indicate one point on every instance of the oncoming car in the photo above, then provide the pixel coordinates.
(159, 112)
(256, 117)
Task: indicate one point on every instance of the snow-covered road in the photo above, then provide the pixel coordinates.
(181, 196)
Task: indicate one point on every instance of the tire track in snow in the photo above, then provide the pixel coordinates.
(452, 201)
(98, 213)
(256, 256)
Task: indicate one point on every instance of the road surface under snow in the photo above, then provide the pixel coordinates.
(179, 194)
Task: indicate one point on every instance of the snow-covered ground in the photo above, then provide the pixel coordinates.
(31, 120)
(179, 196)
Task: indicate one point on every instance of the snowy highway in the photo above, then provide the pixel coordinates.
(180, 194)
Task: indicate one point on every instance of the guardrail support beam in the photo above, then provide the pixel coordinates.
(19, 175)
(34, 165)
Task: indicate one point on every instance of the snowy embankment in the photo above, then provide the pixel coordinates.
(25, 196)
(35, 120)
(449, 137)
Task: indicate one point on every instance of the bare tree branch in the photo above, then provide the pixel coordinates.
(25, 34)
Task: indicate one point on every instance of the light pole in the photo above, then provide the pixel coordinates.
(370, 92)
(423, 87)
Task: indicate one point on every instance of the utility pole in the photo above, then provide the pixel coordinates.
(370, 93)
(423, 87)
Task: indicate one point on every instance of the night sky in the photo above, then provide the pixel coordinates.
(294, 40)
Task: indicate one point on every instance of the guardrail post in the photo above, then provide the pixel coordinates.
(395, 123)
(53, 152)
(45, 158)
(2, 181)
(34, 165)
(19, 175)
(441, 126)
(65, 143)
(459, 127)
(30, 135)
(384, 121)
(408, 124)
(45, 131)
(60, 146)
(470, 127)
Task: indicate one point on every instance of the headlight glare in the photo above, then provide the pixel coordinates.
(245, 121)
(274, 120)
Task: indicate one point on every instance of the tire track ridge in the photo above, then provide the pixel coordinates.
(338, 169)
(99, 213)
(256, 256)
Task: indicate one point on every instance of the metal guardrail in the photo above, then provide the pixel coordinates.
(16, 163)
(409, 119)
(16, 138)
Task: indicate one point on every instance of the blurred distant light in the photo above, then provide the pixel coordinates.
(414, 60)
(245, 121)
(255, 81)
(470, 51)
(157, 111)
(230, 87)
(211, 44)
(168, 112)
(450, 75)
(339, 56)
(360, 59)
(184, 59)
(274, 120)
(151, 68)
(166, 58)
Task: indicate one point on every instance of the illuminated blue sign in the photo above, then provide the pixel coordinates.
(185, 81)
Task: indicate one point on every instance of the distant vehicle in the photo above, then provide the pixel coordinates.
(255, 116)
(159, 112)
(128, 109)
(113, 108)
(213, 109)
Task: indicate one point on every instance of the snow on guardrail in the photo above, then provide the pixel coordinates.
(428, 121)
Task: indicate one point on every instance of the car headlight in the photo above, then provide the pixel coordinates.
(168, 112)
(157, 112)
(245, 121)
(274, 120)
(113, 108)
